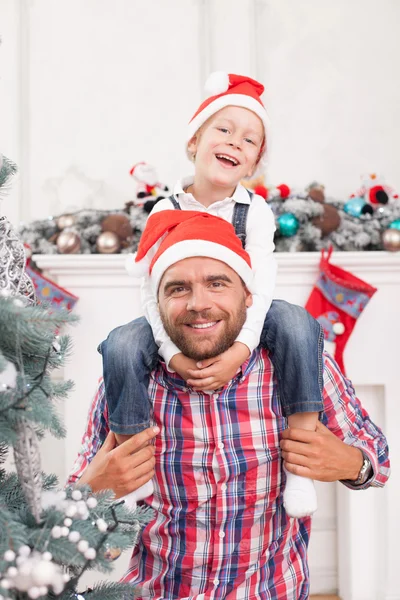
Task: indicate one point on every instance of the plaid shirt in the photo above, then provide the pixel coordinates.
(220, 529)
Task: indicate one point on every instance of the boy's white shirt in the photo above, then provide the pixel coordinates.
(260, 228)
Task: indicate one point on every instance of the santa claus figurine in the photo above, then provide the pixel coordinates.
(149, 190)
(375, 191)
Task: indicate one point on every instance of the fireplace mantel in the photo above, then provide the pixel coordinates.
(368, 527)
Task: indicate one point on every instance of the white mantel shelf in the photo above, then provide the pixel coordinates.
(367, 524)
(290, 263)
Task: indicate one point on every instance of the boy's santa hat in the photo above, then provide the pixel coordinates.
(177, 234)
(226, 89)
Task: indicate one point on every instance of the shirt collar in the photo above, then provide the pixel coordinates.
(239, 195)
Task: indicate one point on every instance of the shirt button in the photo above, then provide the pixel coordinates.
(216, 581)
(224, 487)
(221, 534)
(221, 445)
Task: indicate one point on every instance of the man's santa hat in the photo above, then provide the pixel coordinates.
(226, 89)
(172, 235)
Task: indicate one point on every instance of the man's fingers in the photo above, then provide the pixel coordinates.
(297, 447)
(143, 469)
(298, 470)
(138, 458)
(137, 441)
(142, 480)
(298, 435)
(295, 459)
(109, 443)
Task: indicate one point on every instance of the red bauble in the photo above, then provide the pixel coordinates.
(261, 190)
(284, 190)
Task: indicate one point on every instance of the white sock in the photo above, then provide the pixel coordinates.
(299, 496)
(141, 493)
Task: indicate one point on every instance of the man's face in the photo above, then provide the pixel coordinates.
(202, 304)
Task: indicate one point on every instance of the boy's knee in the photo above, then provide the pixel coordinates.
(294, 322)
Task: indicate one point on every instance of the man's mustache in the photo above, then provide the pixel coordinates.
(205, 315)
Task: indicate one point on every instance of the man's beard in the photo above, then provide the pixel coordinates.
(204, 348)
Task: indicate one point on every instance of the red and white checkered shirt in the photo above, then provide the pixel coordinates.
(220, 529)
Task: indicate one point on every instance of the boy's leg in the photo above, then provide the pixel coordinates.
(129, 354)
(295, 341)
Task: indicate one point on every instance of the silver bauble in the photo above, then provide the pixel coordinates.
(65, 221)
(108, 243)
(391, 240)
(68, 242)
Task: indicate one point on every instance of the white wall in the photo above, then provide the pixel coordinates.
(89, 88)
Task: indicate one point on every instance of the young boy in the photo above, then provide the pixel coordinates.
(227, 141)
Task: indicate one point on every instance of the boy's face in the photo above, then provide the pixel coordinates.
(227, 146)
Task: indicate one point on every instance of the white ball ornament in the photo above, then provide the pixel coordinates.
(68, 522)
(90, 554)
(71, 510)
(76, 495)
(9, 555)
(91, 502)
(74, 537)
(338, 328)
(56, 532)
(5, 584)
(34, 593)
(82, 546)
(64, 531)
(217, 83)
(101, 525)
(43, 590)
(24, 551)
(47, 556)
(12, 572)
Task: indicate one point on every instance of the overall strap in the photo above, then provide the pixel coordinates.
(174, 202)
(239, 219)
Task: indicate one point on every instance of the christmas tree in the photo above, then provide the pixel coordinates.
(48, 536)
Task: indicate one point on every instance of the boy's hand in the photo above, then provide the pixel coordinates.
(181, 364)
(123, 468)
(214, 373)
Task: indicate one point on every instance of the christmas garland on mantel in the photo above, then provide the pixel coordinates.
(306, 221)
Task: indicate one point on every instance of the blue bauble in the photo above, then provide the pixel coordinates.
(354, 206)
(288, 224)
(395, 224)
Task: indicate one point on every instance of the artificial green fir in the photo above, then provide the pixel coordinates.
(48, 536)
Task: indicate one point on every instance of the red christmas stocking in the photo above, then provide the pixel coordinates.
(336, 301)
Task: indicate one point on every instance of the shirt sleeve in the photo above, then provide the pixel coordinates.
(95, 433)
(167, 348)
(260, 245)
(347, 419)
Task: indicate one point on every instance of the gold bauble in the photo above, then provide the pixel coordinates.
(112, 554)
(108, 243)
(68, 242)
(65, 221)
(391, 240)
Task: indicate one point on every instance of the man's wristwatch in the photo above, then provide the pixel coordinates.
(365, 471)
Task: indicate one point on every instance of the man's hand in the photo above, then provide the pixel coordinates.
(319, 455)
(214, 373)
(123, 468)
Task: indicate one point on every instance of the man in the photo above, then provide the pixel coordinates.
(220, 529)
